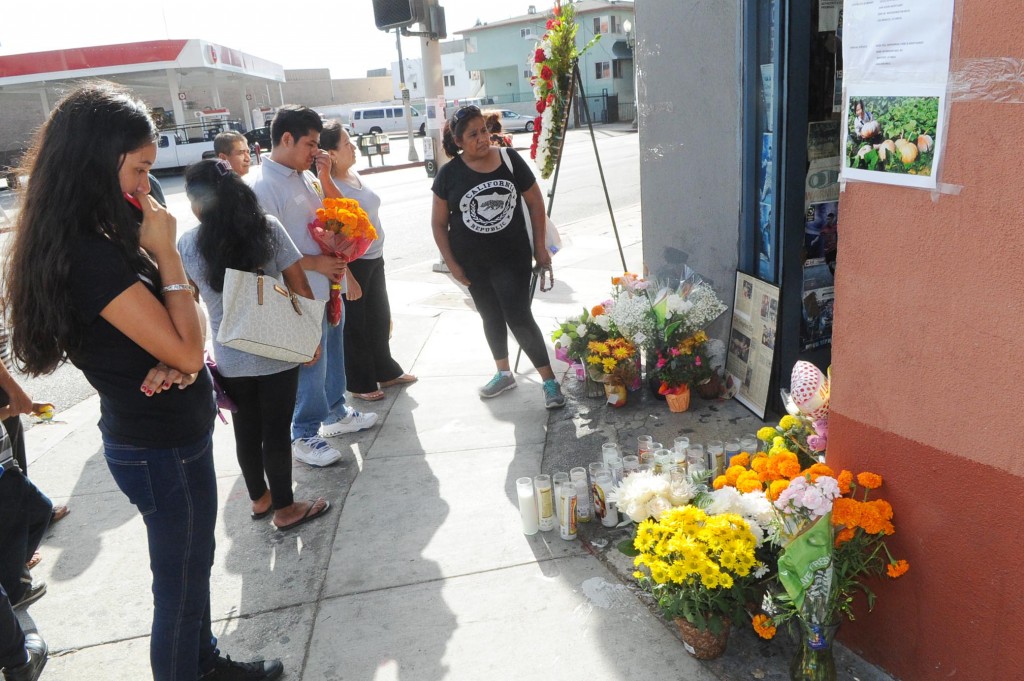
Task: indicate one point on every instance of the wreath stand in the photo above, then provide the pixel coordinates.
(575, 85)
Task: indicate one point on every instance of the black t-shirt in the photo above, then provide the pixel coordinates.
(485, 215)
(116, 366)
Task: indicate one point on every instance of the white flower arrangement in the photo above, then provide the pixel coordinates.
(754, 507)
(633, 318)
(646, 494)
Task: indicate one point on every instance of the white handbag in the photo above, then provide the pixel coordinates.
(262, 317)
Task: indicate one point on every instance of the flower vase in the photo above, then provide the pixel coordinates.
(593, 388)
(702, 643)
(679, 402)
(615, 393)
(814, 660)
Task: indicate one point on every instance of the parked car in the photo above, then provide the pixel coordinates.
(259, 136)
(513, 122)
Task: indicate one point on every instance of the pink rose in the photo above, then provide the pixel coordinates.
(821, 427)
(817, 443)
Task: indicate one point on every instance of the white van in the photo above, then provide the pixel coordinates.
(390, 119)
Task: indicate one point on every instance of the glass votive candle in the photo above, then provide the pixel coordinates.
(716, 457)
(596, 467)
(545, 502)
(647, 459)
(616, 470)
(584, 509)
(681, 443)
(630, 464)
(694, 452)
(557, 480)
(609, 451)
(527, 505)
(748, 444)
(732, 448)
(662, 460)
(643, 443)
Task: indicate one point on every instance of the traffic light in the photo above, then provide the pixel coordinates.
(395, 13)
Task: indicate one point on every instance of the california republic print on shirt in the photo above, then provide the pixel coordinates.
(489, 206)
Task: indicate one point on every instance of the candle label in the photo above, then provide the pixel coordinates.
(567, 525)
(546, 507)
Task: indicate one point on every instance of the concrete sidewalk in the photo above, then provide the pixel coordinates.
(420, 572)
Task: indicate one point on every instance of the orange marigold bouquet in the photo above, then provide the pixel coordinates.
(342, 229)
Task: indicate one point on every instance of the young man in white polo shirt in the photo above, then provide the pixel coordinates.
(287, 190)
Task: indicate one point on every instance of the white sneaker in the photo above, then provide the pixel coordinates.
(353, 423)
(314, 451)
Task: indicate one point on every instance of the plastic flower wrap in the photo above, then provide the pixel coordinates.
(341, 229)
(612, 361)
(574, 334)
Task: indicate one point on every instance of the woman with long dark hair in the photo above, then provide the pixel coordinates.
(369, 365)
(480, 229)
(234, 232)
(94, 278)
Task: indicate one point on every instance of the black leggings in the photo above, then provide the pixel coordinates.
(368, 357)
(263, 432)
(501, 292)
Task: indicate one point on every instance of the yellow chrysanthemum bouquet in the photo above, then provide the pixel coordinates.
(612, 361)
(699, 567)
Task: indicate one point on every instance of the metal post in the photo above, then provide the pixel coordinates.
(433, 90)
(413, 157)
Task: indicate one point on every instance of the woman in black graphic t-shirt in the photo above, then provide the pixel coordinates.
(480, 229)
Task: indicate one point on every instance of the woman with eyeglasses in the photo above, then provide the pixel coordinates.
(480, 229)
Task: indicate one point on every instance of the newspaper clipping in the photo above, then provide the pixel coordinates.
(752, 340)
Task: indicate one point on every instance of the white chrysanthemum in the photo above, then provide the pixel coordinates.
(681, 492)
(581, 330)
(755, 505)
(725, 500)
(639, 493)
(657, 506)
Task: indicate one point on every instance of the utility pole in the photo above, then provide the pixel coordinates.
(413, 157)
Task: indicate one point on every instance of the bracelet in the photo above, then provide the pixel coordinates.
(179, 287)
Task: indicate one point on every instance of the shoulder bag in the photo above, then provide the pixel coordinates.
(262, 317)
(552, 239)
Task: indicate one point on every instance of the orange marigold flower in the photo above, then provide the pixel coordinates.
(845, 479)
(875, 517)
(898, 568)
(720, 482)
(763, 626)
(818, 470)
(775, 489)
(732, 474)
(869, 480)
(741, 459)
(844, 535)
(748, 482)
(846, 511)
(759, 464)
(789, 469)
(597, 310)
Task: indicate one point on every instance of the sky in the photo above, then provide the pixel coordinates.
(341, 37)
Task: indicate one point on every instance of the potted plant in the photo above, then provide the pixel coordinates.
(613, 362)
(679, 366)
(700, 568)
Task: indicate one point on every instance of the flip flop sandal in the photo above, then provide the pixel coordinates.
(34, 560)
(260, 516)
(370, 397)
(307, 516)
(404, 379)
(59, 513)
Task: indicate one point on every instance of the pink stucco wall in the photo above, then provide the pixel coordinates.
(928, 368)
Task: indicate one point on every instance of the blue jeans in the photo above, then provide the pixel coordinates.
(175, 490)
(321, 395)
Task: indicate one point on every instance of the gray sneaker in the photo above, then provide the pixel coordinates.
(497, 385)
(553, 397)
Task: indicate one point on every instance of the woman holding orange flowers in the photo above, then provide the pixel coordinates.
(369, 365)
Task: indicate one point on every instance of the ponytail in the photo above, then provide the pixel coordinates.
(448, 141)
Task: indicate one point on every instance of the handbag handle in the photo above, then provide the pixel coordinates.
(287, 293)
